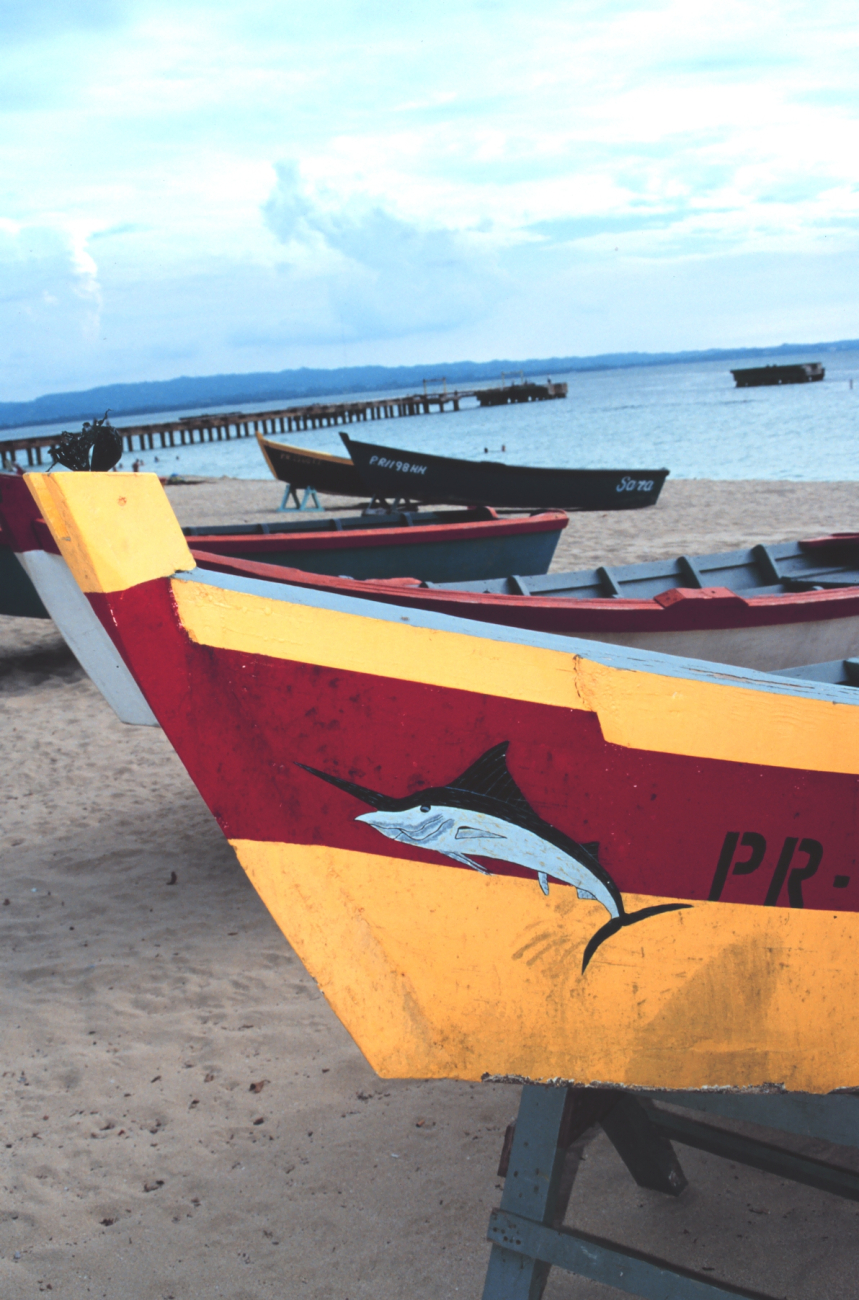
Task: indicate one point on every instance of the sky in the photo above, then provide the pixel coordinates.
(196, 188)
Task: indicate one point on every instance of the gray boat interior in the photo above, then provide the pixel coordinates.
(369, 519)
(836, 672)
(762, 571)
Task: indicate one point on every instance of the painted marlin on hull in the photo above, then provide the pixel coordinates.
(483, 812)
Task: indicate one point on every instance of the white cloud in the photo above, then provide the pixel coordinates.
(456, 171)
(49, 302)
(383, 276)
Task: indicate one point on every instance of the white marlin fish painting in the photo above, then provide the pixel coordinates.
(484, 814)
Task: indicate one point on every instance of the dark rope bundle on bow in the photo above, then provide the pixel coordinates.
(97, 447)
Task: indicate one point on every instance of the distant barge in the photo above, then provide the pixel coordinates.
(524, 392)
(764, 376)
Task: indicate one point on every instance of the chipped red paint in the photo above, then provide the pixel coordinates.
(242, 722)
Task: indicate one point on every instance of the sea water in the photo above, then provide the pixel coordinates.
(688, 418)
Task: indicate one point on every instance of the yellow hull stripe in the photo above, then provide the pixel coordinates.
(118, 530)
(332, 638)
(438, 972)
(113, 530)
(637, 709)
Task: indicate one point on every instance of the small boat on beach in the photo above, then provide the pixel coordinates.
(301, 468)
(503, 853)
(436, 546)
(419, 476)
(765, 607)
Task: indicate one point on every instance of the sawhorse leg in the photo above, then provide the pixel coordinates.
(527, 1232)
(309, 494)
(537, 1184)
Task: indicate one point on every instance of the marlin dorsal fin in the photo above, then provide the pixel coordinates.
(489, 776)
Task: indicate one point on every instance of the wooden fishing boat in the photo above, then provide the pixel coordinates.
(436, 546)
(503, 853)
(311, 469)
(762, 607)
(768, 606)
(418, 476)
(27, 542)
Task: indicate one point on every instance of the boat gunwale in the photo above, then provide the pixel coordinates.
(618, 657)
(604, 614)
(326, 456)
(546, 521)
(499, 464)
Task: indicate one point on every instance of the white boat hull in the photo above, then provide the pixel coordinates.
(767, 649)
(85, 636)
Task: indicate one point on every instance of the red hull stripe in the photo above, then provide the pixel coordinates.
(22, 529)
(667, 825)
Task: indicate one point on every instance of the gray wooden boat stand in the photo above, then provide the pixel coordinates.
(378, 505)
(540, 1160)
(309, 495)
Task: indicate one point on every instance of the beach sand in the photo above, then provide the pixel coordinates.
(182, 1116)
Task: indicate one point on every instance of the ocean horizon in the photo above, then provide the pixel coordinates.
(686, 416)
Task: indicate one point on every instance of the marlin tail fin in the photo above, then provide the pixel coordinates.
(619, 922)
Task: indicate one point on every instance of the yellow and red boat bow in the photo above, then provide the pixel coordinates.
(337, 741)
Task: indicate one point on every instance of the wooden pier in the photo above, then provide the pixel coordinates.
(192, 430)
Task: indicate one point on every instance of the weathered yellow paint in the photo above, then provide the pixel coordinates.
(113, 530)
(637, 709)
(716, 719)
(484, 977)
(117, 530)
(235, 620)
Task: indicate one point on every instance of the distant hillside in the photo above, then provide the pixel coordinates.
(190, 393)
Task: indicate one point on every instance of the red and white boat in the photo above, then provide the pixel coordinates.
(767, 607)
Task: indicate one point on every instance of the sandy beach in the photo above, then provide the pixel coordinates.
(181, 1114)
